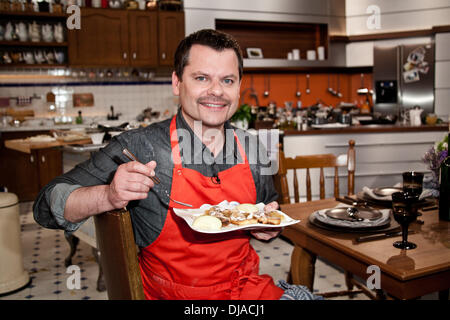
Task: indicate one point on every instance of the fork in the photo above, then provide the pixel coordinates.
(155, 179)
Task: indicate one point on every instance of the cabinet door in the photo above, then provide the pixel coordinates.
(102, 39)
(49, 164)
(19, 173)
(143, 37)
(171, 32)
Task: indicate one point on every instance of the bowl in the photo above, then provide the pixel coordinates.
(97, 137)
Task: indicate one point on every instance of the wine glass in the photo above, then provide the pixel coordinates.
(412, 183)
(405, 211)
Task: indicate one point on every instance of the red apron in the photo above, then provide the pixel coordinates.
(184, 264)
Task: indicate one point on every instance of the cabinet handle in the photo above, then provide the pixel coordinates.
(124, 55)
(43, 159)
(31, 159)
(134, 55)
(163, 55)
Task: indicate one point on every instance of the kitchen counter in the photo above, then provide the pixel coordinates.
(369, 129)
(44, 128)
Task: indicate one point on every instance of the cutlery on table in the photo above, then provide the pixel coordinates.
(155, 179)
(353, 202)
(381, 236)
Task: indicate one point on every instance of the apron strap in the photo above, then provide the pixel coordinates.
(176, 148)
(174, 143)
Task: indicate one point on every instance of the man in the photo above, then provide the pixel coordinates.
(177, 262)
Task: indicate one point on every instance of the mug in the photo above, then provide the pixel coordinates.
(321, 53)
(28, 57)
(311, 55)
(59, 56)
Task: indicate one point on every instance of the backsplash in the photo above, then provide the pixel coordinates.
(128, 99)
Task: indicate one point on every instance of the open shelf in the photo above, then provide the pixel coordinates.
(276, 39)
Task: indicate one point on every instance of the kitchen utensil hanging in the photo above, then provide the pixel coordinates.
(266, 85)
(338, 86)
(308, 91)
(297, 92)
(362, 89)
(330, 89)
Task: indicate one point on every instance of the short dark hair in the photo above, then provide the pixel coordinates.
(214, 39)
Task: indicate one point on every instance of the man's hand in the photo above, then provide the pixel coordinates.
(269, 233)
(131, 182)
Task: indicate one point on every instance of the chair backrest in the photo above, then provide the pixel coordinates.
(308, 162)
(119, 255)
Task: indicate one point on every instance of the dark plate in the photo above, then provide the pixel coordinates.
(387, 204)
(342, 214)
(386, 191)
(390, 226)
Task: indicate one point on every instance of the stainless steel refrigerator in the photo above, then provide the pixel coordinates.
(403, 77)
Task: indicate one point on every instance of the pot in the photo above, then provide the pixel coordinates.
(345, 118)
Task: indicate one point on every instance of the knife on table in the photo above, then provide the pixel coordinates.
(381, 236)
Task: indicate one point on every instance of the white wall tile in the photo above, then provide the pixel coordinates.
(442, 103)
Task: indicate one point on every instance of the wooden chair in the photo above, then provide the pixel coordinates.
(321, 161)
(308, 162)
(119, 255)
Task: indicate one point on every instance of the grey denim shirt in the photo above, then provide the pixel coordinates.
(150, 143)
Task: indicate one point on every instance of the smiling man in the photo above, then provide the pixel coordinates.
(177, 262)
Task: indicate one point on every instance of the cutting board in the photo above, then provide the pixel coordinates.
(26, 146)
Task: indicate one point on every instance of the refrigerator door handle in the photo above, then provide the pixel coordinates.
(400, 76)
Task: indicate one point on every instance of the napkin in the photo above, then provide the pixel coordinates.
(322, 217)
(368, 191)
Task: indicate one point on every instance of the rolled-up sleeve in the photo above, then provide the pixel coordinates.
(58, 198)
(48, 208)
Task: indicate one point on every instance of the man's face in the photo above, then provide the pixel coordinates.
(209, 88)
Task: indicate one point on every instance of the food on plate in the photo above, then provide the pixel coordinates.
(222, 215)
(244, 214)
(207, 223)
(241, 219)
(274, 217)
(247, 207)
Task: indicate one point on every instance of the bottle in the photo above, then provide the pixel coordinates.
(79, 119)
(444, 190)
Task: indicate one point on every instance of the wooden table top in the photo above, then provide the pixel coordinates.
(432, 254)
(25, 146)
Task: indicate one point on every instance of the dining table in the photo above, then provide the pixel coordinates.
(403, 274)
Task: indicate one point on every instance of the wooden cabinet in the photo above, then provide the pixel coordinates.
(171, 32)
(111, 37)
(102, 39)
(114, 38)
(25, 174)
(143, 38)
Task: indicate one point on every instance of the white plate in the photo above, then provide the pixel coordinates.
(189, 216)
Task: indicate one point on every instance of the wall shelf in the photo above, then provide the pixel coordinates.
(298, 66)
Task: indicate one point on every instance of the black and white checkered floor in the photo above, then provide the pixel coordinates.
(45, 251)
